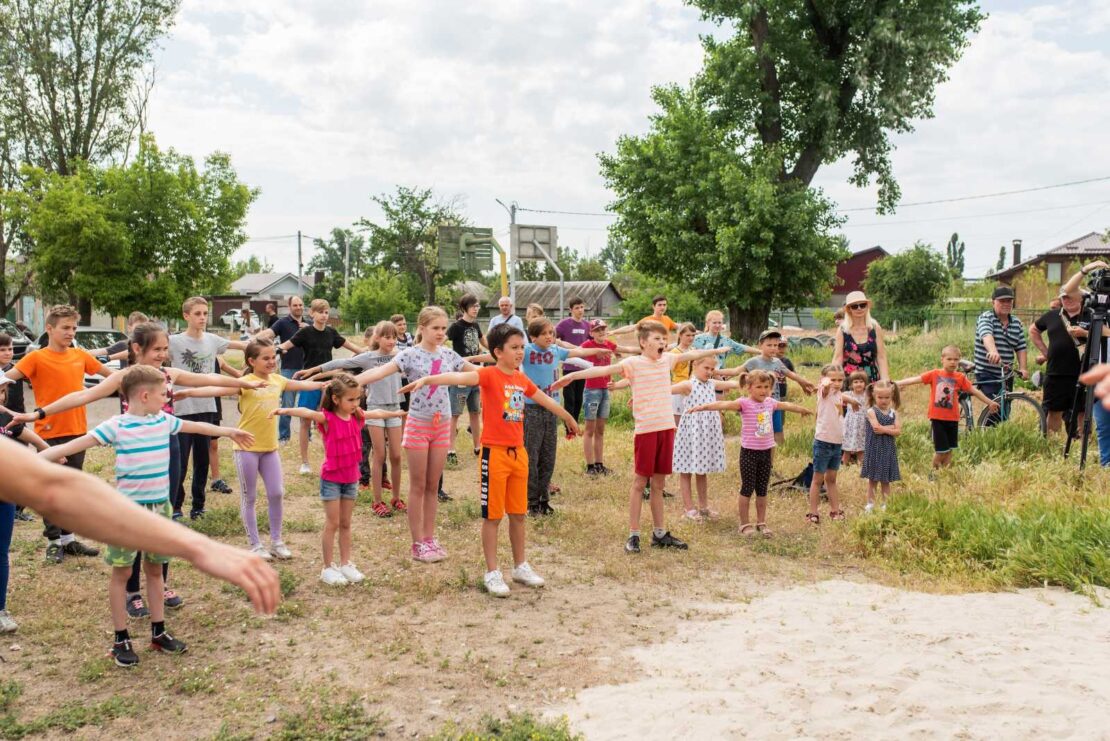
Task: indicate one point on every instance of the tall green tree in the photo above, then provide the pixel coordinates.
(331, 258)
(954, 255)
(142, 236)
(376, 296)
(907, 284)
(74, 81)
(253, 264)
(1001, 264)
(404, 240)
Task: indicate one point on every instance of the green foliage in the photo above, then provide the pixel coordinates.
(825, 318)
(955, 256)
(326, 721)
(141, 236)
(332, 257)
(253, 264)
(1035, 543)
(517, 727)
(695, 210)
(637, 290)
(377, 296)
(905, 286)
(67, 718)
(1001, 264)
(224, 522)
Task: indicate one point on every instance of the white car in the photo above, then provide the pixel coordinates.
(232, 318)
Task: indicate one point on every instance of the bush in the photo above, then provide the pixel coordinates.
(376, 297)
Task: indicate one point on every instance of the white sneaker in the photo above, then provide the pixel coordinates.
(883, 507)
(523, 574)
(495, 584)
(869, 508)
(7, 625)
(333, 577)
(281, 551)
(351, 573)
(692, 515)
(305, 470)
(262, 552)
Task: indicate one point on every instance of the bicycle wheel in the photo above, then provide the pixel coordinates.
(967, 413)
(1022, 410)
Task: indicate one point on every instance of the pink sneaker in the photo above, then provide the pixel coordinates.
(434, 550)
(420, 552)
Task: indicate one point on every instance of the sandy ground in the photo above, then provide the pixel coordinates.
(848, 660)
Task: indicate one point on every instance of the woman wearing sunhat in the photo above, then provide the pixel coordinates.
(859, 340)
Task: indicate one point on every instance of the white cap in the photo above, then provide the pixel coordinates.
(4, 379)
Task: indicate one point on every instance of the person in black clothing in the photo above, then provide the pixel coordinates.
(467, 339)
(292, 361)
(271, 317)
(1067, 329)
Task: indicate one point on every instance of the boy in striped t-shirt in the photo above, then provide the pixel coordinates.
(649, 375)
(141, 439)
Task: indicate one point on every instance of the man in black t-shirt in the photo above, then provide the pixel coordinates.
(292, 361)
(466, 339)
(1066, 329)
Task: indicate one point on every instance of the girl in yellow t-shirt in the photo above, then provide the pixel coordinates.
(262, 458)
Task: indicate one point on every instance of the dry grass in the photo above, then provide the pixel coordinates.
(421, 649)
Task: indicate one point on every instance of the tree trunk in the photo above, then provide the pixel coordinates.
(429, 288)
(746, 324)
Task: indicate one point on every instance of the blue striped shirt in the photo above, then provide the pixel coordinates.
(142, 446)
(1009, 340)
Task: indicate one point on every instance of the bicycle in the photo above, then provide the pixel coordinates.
(1016, 407)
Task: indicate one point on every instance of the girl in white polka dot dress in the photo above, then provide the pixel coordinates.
(699, 446)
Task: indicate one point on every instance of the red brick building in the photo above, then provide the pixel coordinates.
(851, 273)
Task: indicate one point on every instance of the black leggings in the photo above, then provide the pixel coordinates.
(755, 471)
(572, 398)
(198, 446)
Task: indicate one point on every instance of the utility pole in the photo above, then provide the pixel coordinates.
(300, 265)
(346, 265)
(512, 253)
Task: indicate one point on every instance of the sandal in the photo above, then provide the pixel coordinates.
(762, 529)
(381, 510)
(837, 515)
(692, 515)
(747, 529)
(709, 514)
(813, 518)
(398, 505)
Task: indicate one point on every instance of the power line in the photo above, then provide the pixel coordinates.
(976, 216)
(988, 195)
(563, 213)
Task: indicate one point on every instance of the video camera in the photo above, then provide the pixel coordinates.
(1098, 297)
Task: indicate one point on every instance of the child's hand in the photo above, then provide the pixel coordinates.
(993, 406)
(808, 387)
(242, 438)
(303, 374)
(399, 413)
(560, 383)
(256, 384)
(23, 418)
(277, 412)
(722, 350)
(418, 383)
(572, 430)
(806, 413)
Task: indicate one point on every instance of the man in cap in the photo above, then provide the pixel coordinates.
(999, 339)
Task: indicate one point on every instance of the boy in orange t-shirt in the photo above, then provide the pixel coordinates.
(504, 466)
(946, 383)
(54, 371)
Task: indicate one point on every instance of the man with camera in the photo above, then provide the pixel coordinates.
(1066, 330)
(1097, 275)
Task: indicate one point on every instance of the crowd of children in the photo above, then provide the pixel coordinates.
(404, 393)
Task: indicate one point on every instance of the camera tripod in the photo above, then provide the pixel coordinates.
(1083, 395)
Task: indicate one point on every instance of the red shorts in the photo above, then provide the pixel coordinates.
(653, 453)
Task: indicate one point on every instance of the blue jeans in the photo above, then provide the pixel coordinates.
(826, 456)
(1102, 430)
(288, 399)
(7, 523)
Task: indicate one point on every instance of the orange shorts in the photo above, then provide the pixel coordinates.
(503, 474)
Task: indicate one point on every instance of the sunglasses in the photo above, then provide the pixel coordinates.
(857, 307)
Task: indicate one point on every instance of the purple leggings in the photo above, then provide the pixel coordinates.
(250, 466)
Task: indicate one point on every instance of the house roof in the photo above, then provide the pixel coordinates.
(869, 250)
(252, 284)
(480, 290)
(546, 292)
(1089, 245)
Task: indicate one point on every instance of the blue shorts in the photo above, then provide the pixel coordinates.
(465, 396)
(309, 399)
(777, 418)
(826, 456)
(332, 490)
(596, 404)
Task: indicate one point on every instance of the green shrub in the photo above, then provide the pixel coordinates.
(518, 727)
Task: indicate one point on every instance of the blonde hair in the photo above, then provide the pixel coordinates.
(319, 304)
(380, 330)
(883, 385)
(138, 377)
(868, 321)
(709, 317)
(534, 311)
(136, 317)
(759, 376)
(188, 304)
(830, 368)
(427, 314)
(61, 311)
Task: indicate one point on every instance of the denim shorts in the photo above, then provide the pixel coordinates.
(596, 403)
(826, 456)
(467, 396)
(388, 421)
(332, 490)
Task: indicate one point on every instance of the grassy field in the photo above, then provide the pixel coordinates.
(420, 650)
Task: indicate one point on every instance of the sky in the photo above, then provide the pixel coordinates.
(323, 105)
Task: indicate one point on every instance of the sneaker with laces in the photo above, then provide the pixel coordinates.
(435, 551)
(55, 553)
(333, 577)
(167, 644)
(524, 574)
(262, 552)
(280, 550)
(304, 470)
(77, 548)
(495, 584)
(220, 486)
(7, 625)
(420, 552)
(632, 545)
(351, 573)
(444, 496)
(605, 470)
(172, 600)
(124, 654)
(666, 540)
(869, 508)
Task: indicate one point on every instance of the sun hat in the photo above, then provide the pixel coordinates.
(856, 297)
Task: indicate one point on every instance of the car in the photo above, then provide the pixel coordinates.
(20, 344)
(94, 338)
(231, 318)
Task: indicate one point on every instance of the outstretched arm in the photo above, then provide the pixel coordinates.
(588, 352)
(73, 447)
(909, 381)
(311, 414)
(984, 398)
(787, 406)
(808, 387)
(242, 437)
(598, 371)
(464, 378)
(691, 355)
(368, 377)
(716, 406)
(726, 385)
(557, 409)
(72, 400)
(28, 436)
(682, 388)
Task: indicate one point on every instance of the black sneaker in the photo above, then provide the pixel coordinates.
(77, 548)
(172, 600)
(546, 509)
(219, 485)
(667, 541)
(667, 494)
(534, 510)
(593, 470)
(632, 545)
(22, 516)
(605, 470)
(444, 496)
(55, 553)
(197, 514)
(124, 655)
(167, 644)
(178, 515)
(136, 608)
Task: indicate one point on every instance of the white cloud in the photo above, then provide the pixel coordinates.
(324, 104)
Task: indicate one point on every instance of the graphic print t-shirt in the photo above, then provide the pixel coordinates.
(464, 338)
(539, 365)
(503, 397)
(944, 394)
(415, 363)
(195, 356)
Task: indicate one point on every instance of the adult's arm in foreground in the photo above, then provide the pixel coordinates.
(87, 505)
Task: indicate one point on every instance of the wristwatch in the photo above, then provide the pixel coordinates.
(40, 413)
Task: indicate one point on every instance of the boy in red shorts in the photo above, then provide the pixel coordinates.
(504, 466)
(649, 375)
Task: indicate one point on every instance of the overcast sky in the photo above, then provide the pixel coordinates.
(322, 105)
